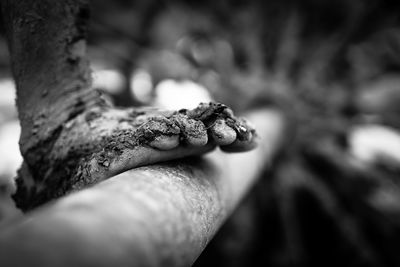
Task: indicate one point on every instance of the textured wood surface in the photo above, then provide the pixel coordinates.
(161, 215)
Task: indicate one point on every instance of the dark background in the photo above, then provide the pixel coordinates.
(332, 67)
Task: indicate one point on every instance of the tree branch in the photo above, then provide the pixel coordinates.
(162, 215)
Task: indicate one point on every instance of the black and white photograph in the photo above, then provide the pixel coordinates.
(178, 133)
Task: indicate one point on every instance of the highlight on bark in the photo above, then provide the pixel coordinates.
(159, 215)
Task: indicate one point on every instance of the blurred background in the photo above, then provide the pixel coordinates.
(332, 197)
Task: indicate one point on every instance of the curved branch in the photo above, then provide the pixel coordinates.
(161, 215)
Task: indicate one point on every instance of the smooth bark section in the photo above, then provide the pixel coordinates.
(48, 51)
(162, 215)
